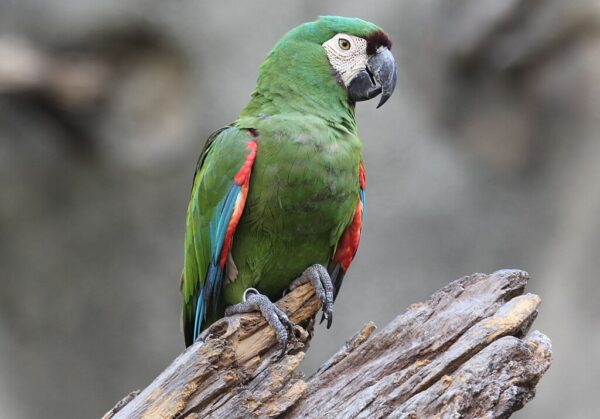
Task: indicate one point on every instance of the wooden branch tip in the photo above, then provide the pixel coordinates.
(462, 353)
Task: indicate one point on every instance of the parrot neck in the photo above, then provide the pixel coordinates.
(297, 78)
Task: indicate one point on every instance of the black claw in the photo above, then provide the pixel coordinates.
(285, 321)
(291, 329)
(284, 344)
(327, 315)
(284, 337)
(321, 281)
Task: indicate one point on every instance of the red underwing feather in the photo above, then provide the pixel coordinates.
(348, 244)
(242, 178)
(243, 175)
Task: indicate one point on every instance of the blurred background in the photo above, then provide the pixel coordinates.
(486, 157)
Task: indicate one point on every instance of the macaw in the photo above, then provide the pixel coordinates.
(277, 197)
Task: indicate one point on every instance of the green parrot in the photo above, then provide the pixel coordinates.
(277, 197)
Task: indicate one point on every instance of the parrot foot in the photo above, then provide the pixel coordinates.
(318, 276)
(277, 319)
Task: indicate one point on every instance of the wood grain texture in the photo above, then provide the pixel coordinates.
(462, 353)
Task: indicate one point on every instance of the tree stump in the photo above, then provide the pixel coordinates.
(462, 353)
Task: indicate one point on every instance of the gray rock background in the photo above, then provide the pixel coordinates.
(486, 157)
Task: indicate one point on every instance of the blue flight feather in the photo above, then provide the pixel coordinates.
(211, 289)
(199, 315)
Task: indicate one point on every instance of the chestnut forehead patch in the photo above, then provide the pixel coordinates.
(376, 40)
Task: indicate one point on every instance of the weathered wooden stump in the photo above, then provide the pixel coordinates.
(462, 353)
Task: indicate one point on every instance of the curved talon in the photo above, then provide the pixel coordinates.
(277, 319)
(327, 315)
(318, 276)
(288, 330)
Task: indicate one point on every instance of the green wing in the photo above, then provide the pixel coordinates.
(216, 203)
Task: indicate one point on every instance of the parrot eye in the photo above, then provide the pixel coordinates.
(344, 44)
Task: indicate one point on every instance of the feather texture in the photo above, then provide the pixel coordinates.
(283, 187)
(216, 204)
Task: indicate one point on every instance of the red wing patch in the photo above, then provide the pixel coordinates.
(348, 244)
(242, 179)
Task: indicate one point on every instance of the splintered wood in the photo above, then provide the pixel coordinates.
(462, 353)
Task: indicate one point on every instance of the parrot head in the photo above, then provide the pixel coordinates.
(362, 62)
(325, 66)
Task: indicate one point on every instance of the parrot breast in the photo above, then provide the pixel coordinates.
(303, 192)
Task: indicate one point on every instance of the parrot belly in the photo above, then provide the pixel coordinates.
(303, 192)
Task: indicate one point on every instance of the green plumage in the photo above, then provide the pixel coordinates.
(303, 192)
(304, 183)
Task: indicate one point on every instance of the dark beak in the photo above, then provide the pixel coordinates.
(379, 76)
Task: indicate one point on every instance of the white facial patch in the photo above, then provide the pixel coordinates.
(347, 55)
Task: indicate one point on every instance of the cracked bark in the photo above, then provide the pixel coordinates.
(462, 353)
